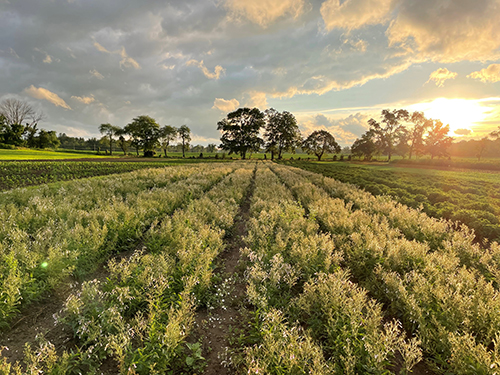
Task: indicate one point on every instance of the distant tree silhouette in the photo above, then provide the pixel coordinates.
(320, 142)
(281, 132)
(109, 131)
(388, 132)
(437, 141)
(184, 134)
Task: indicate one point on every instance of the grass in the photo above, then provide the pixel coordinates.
(28, 154)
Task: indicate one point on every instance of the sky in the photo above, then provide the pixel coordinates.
(334, 64)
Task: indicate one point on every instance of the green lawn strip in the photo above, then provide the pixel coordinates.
(452, 309)
(294, 281)
(141, 316)
(28, 154)
(75, 228)
(470, 198)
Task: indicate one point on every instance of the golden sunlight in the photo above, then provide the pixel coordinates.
(458, 113)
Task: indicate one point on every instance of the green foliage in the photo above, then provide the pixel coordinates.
(144, 132)
(320, 142)
(471, 201)
(282, 132)
(240, 131)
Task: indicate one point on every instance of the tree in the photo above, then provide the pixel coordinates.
(437, 141)
(211, 148)
(364, 146)
(416, 133)
(184, 134)
(481, 147)
(168, 134)
(282, 132)
(48, 139)
(240, 131)
(144, 132)
(320, 142)
(109, 131)
(18, 111)
(388, 132)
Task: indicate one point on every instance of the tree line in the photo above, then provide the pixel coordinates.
(242, 128)
(145, 134)
(19, 126)
(402, 133)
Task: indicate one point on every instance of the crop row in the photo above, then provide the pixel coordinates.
(453, 196)
(415, 225)
(294, 280)
(140, 317)
(450, 307)
(49, 233)
(27, 173)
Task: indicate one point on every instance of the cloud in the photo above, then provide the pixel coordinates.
(127, 61)
(96, 74)
(463, 131)
(344, 129)
(226, 105)
(355, 14)
(101, 48)
(84, 99)
(489, 74)
(264, 12)
(215, 75)
(323, 84)
(441, 75)
(447, 31)
(41, 93)
(257, 99)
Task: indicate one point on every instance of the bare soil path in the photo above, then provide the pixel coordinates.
(214, 323)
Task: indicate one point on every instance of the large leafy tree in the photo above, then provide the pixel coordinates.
(168, 134)
(109, 131)
(184, 133)
(416, 131)
(320, 142)
(240, 131)
(281, 132)
(438, 141)
(389, 130)
(144, 132)
(364, 146)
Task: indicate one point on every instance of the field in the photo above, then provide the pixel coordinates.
(28, 154)
(468, 197)
(245, 267)
(20, 174)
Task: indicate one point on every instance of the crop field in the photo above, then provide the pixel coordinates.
(27, 173)
(245, 267)
(471, 198)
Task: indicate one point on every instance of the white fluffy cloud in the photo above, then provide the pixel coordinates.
(441, 75)
(489, 74)
(44, 94)
(264, 12)
(225, 105)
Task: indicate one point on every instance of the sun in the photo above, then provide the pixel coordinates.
(458, 113)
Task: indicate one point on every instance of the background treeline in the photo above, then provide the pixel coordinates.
(246, 131)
